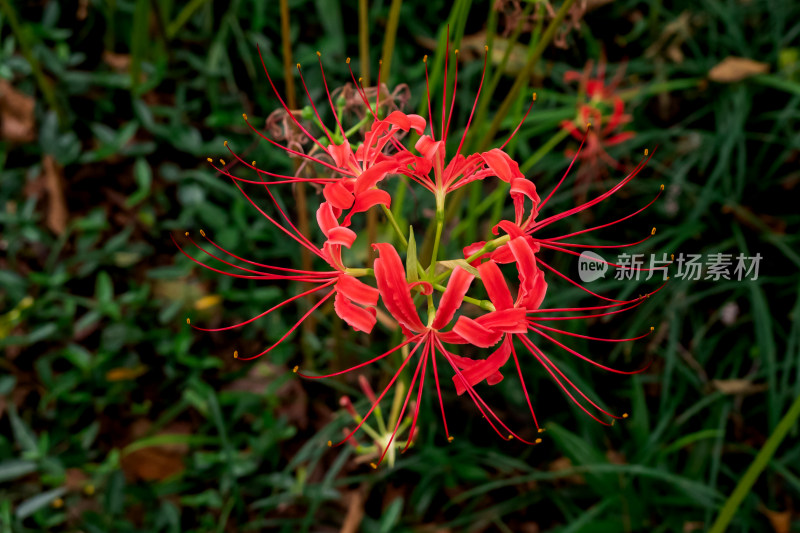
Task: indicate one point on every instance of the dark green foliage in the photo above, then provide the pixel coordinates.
(115, 416)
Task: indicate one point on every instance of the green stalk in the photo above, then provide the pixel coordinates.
(756, 467)
(388, 40)
(524, 75)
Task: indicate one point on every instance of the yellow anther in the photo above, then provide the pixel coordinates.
(348, 61)
(298, 66)
(450, 439)
(203, 233)
(330, 444)
(374, 466)
(485, 47)
(244, 116)
(624, 415)
(537, 441)
(296, 368)
(425, 58)
(456, 51)
(662, 186)
(646, 152)
(318, 54)
(359, 80)
(188, 320)
(225, 144)
(209, 160)
(222, 161)
(653, 231)
(88, 490)
(58, 503)
(253, 163)
(541, 430)
(380, 61)
(510, 437)
(187, 233)
(534, 97)
(672, 257)
(588, 125)
(235, 354)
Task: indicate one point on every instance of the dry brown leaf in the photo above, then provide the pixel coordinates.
(52, 179)
(737, 386)
(152, 464)
(355, 512)
(125, 373)
(155, 463)
(118, 62)
(733, 69)
(781, 520)
(16, 115)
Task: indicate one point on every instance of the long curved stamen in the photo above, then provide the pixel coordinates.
(428, 96)
(284, 179)
(268, 311)
(475, 103)
(479, 402)
(403, 409)
(378, 400)
(549, 366)
(593, 201)
(322, 273)
(564, 176)
(425, 350)
(588, 360)
(311, 101)
(439, 393)
(297, 324)
(521, 122)
(330, 100)
(588, 230)
(573, 282)
(285, 107)
(510, 341)
(453, 99)
(361, 365)
(576, 254)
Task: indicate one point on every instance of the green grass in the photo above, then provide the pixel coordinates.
(115, 416)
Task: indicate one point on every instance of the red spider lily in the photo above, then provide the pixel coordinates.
(395, 293)
(351, 185)
(531, 293)
(600, 128)
(354, 301)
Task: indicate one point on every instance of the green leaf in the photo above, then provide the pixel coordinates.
(143, 175)
(16, 468)
(40, 501)
(411, 257)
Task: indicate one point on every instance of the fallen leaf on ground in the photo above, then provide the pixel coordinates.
(733, 69)
(16, 115)
(781, 520)
(737, 386)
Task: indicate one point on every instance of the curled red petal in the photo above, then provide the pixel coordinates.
(356, 290)
(453, 296)
(391, 278)
(502, 165)
(359, 318)
(337, 194)
(474, 333)
(496, 286)
(341, 236)
(487, 369)
(341, 153)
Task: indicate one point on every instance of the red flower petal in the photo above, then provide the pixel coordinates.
(457, 288)
(392, 284)
(356, 290)
(475, 333)
(487, 369)
(341, 153)
(337, 195)
(496, 285)
(357, 317)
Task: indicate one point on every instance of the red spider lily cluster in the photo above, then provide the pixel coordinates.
(599, 120)
(447, 310)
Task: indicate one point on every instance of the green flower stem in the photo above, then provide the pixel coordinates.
(756, 467)
(438, 236)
